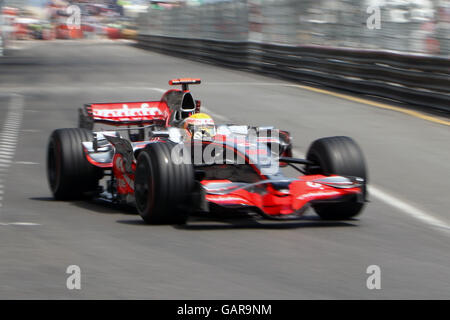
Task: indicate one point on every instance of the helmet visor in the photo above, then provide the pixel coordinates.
(202, 130)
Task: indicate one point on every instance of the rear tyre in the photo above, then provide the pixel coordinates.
(341, 156)
(69, 174)
(163, 185)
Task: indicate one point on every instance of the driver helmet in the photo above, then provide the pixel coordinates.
(199, 126)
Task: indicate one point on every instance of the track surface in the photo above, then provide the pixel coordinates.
(120, 257)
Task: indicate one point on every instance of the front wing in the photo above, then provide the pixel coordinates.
(284, 198)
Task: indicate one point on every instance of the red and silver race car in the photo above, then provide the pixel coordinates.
(169, 160)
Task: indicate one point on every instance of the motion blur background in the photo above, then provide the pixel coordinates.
(316, 68)
(406, 25)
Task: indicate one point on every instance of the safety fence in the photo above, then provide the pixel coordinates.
(421, 26)
(393, 49)
(408, 78)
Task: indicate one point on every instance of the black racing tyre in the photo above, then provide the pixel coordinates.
(163, 185)
(69, 174)
(342, 156)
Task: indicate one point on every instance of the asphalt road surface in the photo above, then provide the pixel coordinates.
(405, 229)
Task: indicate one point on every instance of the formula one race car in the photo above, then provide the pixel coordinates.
(170, 160)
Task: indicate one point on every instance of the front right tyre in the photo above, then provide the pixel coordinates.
(340, 156)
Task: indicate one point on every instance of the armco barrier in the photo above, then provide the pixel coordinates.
(408, 78)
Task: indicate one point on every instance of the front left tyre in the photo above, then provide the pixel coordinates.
(70, 175)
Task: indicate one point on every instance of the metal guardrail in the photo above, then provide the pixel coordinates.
(408, 78)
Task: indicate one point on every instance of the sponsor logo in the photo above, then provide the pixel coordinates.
(125, 111)
(317, 194)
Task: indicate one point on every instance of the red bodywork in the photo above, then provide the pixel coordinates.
(276, 203)
(125, 181)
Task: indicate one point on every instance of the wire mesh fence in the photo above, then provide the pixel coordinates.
(420, 26)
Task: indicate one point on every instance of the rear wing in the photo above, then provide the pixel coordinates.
(136, 113)
(184, 82)
(123, 113)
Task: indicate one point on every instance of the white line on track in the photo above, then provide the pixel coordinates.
(8, 142)
(158, 89)
(8, 137)
(5, 152)
(398, 204)
(215, 115)
(13, 121)
(407, 208)
(19, 224)
(26, 162)
(10, 130)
